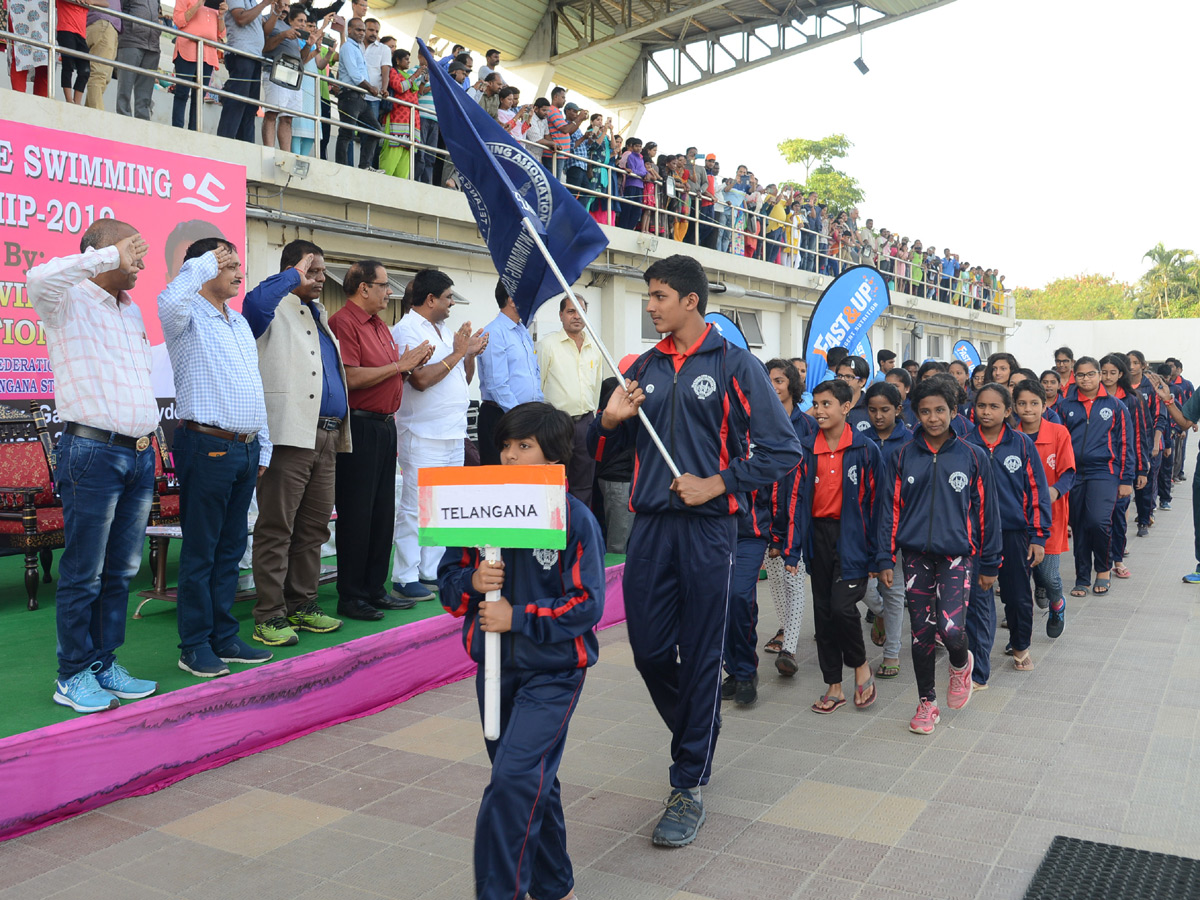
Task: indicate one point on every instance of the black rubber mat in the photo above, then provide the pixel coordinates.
(1084, 870)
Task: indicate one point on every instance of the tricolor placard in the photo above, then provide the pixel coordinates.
(493, 506)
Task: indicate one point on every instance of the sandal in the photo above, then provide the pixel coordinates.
(785, 664)
(820, 709)
(886, 671)
(1121, 570)
(775, 644)
(1100, 587)
(860, 691)
(878, 632)
(1023, 663)
(1080, 590)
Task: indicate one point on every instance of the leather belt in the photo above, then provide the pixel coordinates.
(328, 423)
(580, 418)
(369, 414)
(108, 437)
(220, 432)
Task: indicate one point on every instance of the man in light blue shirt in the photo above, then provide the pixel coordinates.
(508, 372)
(221, 446)
(352, 104)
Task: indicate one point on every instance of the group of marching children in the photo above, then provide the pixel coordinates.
(934, 489)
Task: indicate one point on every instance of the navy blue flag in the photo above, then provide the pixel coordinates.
(505, 185)
(843, 317)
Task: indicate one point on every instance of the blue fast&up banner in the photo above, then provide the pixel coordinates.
(965, 351)
(863, 349)
(728, 329)
(843, 317)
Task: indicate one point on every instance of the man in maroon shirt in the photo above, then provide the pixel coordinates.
(365, 491)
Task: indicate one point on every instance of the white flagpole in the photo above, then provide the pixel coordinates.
(608, 357)
(491, 664)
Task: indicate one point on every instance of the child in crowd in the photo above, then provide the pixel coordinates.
(1024, 503)
(854, 370)
(1103, 440)
(902, 382)
(787, 588)
(887, 603)
(1000, 368)
(976, 383)
(1114, 375)
(960, 423)
(840, 467)
(1053, 444)
(1160, 425)
(546, 615)
(939, 508)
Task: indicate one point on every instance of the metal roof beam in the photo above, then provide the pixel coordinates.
(671, 14)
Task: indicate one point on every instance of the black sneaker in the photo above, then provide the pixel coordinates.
(728, 688)
(870, 617)
(785, 664)
(1143, 530)
(1056, 621)
(681, 822)
(1039, 597)
(746, 692)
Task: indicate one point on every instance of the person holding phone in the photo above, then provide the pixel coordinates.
(205, 19)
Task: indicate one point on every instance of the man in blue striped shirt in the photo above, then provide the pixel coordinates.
(508, 372)
(221, 446)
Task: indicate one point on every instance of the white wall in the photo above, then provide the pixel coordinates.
(1035, 340)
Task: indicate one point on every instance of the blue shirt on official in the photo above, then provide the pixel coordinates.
(509, 374)
(352, 65)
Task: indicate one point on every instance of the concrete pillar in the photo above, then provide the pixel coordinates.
(540, 75)
(406, 25)
(628, 118)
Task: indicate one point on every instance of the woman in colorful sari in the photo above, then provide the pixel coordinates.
(403, 122)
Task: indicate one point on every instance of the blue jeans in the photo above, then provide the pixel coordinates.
(1048, 577)
(216, 482)
(427, 158)
(238, 117)
(106, 493)
(186, 68)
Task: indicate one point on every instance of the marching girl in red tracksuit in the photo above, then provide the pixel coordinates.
(1114, 375)
(1105, 464)
(1024, 502)
(938, 506)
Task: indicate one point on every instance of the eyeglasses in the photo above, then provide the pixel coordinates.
(1061, 362)
(1092, 374)
(848, 376)
(379, 283)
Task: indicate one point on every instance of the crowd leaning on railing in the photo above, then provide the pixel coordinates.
(293, 63)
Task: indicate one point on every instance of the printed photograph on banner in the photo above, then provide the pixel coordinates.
(53, 185)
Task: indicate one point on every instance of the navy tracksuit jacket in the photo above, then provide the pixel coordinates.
(707, 405)
(1159, 425)
(1142, 418)
(557, 598)
(889, 447)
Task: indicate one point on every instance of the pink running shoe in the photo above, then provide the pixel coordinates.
(926, 718)
(960, 684)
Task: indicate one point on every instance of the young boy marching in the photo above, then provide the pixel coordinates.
(550, 603)
(697, 390)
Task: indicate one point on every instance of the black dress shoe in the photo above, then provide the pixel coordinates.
(392, 601)
(356, 609)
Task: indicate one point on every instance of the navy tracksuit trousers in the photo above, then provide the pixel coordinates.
(1166, 477)
(1145, 498)
(1120, 528)
(520, 835)
(741, 637)
(677, 582)
(1092, 503)
(1016, 592)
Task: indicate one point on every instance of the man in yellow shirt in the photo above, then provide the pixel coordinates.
(777, 204)
(572, 371)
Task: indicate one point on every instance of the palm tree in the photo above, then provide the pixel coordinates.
(1174, 276)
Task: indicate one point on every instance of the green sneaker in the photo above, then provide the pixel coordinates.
(310, 618)
(275, 633)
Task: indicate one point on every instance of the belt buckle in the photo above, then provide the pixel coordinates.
(142, 443)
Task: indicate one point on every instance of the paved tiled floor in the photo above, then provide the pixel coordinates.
(1100, 741)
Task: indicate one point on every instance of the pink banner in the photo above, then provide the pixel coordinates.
(54, 184)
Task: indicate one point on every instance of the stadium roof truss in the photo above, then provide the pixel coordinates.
(636, 51)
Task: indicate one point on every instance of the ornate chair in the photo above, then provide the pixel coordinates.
(31, 517)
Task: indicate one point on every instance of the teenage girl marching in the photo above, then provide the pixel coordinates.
(1114, 375)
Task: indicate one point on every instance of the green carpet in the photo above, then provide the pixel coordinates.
(151, 647)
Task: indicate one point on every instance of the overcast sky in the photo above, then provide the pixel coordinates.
(1042, 137)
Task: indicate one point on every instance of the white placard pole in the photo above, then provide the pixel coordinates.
(608, 357)
(491, 664)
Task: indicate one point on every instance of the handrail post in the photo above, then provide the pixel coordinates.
(52, 40)
(198, 97)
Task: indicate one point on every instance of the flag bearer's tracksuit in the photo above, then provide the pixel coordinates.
(940, 509)
(1019, 484)
(557, 598)
(885, 601)
(1143, 433)
(1103, 440)
(753, 538)
(706, 404)
(1160, 422)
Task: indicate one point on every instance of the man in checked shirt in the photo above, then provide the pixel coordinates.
(100, 354)
(221, 446)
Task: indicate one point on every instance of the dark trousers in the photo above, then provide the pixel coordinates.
(237, 116)
(1017, 594)
(1144, 497)
(581, 471)
(1120, 528)
(835, 605)
(520, 833)
(1092, 503)
(426, 159)
(1179, 456)
(353, 110)
(490, 414)
(577, 178)
(365, 495)
(678, 574)
(741, 637)
(1166, 470)
(326, 128)
(1196, 511)
(216, 483)
(937, 590)
(185, 99)
(631, 216)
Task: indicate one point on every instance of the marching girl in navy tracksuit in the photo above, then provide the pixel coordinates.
(960, 424)
(938, 507)
(1024, 501)
(1144, 497)
(902, 382)
(707, 399)
(550, 603)
(1105, 463)
(1114, 375)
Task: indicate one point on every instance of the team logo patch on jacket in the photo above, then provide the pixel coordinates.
(1106, 413)
(649, 389)
(1012, 463)
(863, 425)
(1052, 461)
(704, 386)
(852, 474)
(547, 558)
(958, 481)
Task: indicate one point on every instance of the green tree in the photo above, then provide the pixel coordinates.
(810, 153)
(1077, 297)
(836, 188)
(1171, 287)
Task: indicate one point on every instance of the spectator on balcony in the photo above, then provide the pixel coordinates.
(304, 130)
(139, 46)
(487, 94)
(449, 58)
(378, 58)
(197, 18)
(576, 164)
(902, 258)
(291, 36)
(33, 21)
(244, 29)
(652, 222)
(491, 60)
(327, 57)
(949, 274)
(103, 34)
(635, 181)
(597, 145)
(72, 19)
(775, 207)
(403, 122)
(559, 129)
(427, 158)
(352, 105)
(933, 273)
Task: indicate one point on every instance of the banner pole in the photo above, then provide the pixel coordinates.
(491, 665)
(608, 357)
